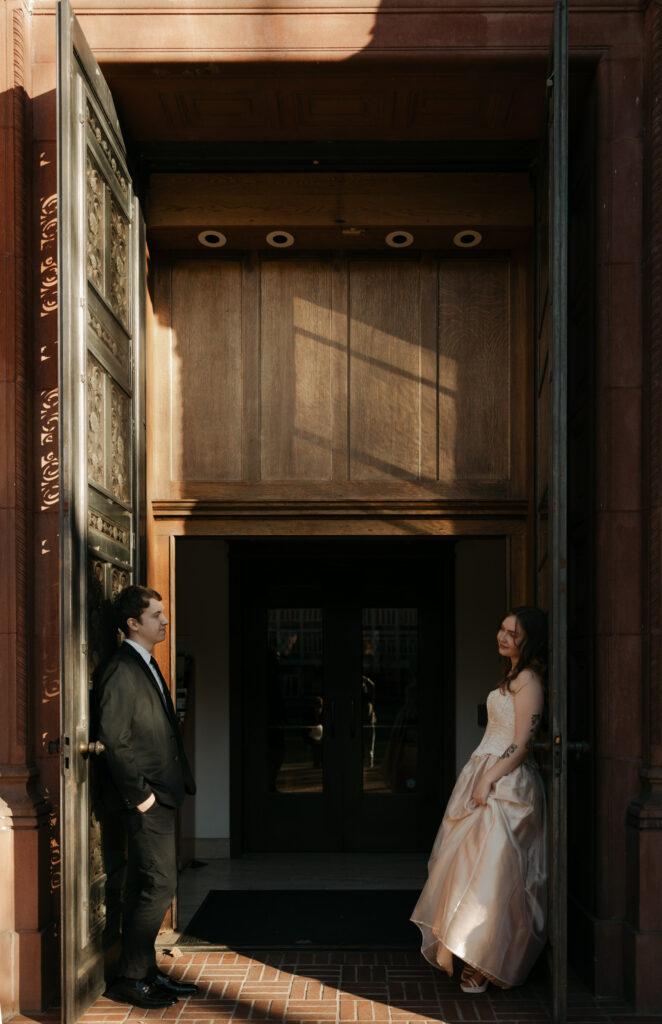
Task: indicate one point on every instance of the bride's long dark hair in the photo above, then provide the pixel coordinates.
(533, 649)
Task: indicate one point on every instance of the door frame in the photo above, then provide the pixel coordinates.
(171, 519)
(168, 524)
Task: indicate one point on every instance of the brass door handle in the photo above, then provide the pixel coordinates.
(91, 748)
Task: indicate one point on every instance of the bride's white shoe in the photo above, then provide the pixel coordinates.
(470, 983)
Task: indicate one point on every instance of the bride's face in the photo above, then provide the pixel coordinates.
(510, 637)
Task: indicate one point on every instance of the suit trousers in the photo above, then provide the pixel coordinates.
(151, 882)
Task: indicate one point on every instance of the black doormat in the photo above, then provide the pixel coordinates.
(305, 919)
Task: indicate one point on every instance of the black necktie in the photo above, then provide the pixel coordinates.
(165, 696)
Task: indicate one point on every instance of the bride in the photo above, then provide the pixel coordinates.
(485, 897)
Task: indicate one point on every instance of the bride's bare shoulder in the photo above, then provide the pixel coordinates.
(527, 677)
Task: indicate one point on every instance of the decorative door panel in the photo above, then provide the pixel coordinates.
(101, 275)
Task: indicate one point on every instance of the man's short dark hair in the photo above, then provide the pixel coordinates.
(131, 602)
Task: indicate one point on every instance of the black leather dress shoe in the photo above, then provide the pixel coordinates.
(178, 988)
(147, 995)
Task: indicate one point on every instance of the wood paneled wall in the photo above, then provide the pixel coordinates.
(360, 372)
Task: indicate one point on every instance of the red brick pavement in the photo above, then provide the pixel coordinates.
(343, 988)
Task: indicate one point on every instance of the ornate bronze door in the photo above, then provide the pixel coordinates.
(101, 315)
(551, 477)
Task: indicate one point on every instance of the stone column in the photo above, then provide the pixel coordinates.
(24, 813)
(643, 936)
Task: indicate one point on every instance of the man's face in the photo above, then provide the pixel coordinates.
(150, 628)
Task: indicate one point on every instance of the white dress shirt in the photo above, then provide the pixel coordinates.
(147, 657)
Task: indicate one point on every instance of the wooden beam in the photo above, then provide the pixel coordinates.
(326, 200)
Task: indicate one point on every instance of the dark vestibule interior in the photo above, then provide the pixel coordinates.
(312, 211)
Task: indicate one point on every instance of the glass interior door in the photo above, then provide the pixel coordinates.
(295, 700)
(348, 706)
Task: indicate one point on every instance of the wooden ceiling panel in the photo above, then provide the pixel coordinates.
(213, 103)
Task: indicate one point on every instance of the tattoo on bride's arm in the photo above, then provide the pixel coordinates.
(511, 750)
(535, 722)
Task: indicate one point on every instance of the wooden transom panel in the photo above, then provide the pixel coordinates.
(212, 101)
(338, 369)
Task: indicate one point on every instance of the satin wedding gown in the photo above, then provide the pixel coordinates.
(486, 895)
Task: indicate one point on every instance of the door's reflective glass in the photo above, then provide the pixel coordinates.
(390, 700)
(295, 702)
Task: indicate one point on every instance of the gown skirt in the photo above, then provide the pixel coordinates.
(485, 899)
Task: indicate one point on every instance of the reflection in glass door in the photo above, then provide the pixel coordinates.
(389, 699)
(295, 700)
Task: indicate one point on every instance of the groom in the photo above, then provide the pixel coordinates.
(148, 776)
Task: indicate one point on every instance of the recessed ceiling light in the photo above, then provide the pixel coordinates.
(212, 238)
(399, 239)
(280, 239)
(467, 238)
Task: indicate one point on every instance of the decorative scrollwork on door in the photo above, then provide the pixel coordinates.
(101, 138)
(96, 419)
(119, 238)
(120, 466)
(95, 225)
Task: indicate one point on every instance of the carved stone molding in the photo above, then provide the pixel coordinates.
(22, 805)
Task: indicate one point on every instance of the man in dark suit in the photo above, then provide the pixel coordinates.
(148, 777)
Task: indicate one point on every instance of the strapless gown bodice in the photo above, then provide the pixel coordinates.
(500, 730)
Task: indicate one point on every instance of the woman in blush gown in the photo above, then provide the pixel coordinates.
(485, 899)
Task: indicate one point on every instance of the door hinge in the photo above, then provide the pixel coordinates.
(64, 747)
